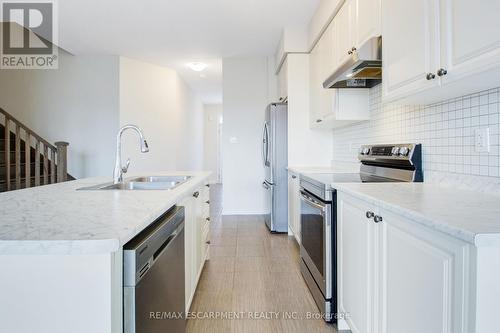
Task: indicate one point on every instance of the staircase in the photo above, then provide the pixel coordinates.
(26, 159)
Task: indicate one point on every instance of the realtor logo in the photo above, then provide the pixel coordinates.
(29, 35)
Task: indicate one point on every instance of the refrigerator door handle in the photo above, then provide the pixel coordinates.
(264, 144)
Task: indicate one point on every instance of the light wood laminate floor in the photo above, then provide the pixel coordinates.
(251, 272)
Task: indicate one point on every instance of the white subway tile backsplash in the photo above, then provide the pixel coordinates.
(445, 129)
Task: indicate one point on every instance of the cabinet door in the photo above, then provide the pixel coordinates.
(367, 20)
(422, 280)
(291, 202)
(470, 33)
(320, 98)
(313, 85)
(327, 63)
(283, 82)
(294, 204)
(199, 228)
(345, 31)
(296, 208)
(189, 248)
(325, 105)
(410, 47)
(355, 270)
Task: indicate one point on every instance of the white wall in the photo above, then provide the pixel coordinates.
(86, 100)
(212, 156)
(246, 95)
(77, 103)
(158, 101)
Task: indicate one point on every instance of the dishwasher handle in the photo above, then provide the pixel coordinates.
(163, 247)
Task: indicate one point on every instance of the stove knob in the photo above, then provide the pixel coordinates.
(404, 151)
(361, 151)
(395, 151)
(366, 151)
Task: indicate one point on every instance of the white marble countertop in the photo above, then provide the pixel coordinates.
(468, 215)
(58, 219)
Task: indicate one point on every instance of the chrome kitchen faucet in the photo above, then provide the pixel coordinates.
(119, 169)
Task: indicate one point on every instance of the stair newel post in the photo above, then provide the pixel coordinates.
(52, 166)
(62, 161)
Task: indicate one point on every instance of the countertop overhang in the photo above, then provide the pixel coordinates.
(58, 219)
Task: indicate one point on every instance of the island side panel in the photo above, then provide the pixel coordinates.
(58, 293)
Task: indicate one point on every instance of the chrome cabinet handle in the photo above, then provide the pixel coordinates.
(196, 194)
(265, 185)
(369, 214)
(442, 72)
(377, 219)
(207, 242)
(207, 202)
(430, 76)
(349, 52)
(353, 49)
(294, 177)
(208, 219)
(318, 120)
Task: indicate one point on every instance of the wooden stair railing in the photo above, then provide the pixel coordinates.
(28, 159)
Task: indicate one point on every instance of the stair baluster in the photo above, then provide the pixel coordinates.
(50, 161)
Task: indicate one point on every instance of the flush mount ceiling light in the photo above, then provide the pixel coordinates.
(197, 66)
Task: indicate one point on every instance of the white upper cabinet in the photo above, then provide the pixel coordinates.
(470, 37)
(410, 47)
(320, 98)
(283, 82)
(355, 23)
(367, 20)
(345, 32)
(439, 49)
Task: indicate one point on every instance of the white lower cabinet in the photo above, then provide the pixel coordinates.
(196, 238)
(294, 204)
(356, 276)
(398, 276)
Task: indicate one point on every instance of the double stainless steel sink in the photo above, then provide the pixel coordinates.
(143, 183)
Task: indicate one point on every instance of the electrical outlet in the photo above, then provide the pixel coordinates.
(482, 140)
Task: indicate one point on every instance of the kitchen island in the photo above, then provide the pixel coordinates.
(61, 251)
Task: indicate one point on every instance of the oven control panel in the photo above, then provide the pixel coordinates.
(391, 151)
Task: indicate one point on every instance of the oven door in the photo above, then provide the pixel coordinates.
(316, 244)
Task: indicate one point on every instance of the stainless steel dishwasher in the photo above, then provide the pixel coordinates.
(153, 277)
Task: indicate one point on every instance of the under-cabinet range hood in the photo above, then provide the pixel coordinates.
(362, 70)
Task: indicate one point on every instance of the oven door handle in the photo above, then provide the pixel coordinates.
(310, 201)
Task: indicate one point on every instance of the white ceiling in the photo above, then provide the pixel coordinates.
(174, 32)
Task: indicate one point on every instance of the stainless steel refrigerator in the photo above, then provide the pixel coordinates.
(275, 161)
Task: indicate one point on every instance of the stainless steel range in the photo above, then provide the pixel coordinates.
(379, 163)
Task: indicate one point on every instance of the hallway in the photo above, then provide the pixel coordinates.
(254, 275)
